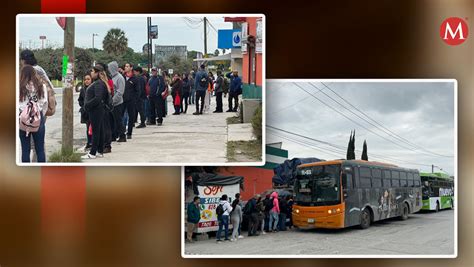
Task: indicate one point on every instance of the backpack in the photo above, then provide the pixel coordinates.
(225, 86)
(51, 102)
(30, 117)
(269, 204)
(203, 82)
(219, 210)
(248, 208)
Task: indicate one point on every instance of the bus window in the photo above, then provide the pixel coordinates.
(410, 183)
(395, 182)
(365, 182)
(403, 179)
(356, 183)
(395, 175)
(386, 183)
(347, 178)
(376, 178)
(416, 183)
(365, 176)
(410, 176)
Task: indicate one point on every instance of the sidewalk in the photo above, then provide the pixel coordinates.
(181, 138)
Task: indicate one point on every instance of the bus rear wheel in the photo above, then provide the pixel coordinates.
(405, 212)
(364, 219)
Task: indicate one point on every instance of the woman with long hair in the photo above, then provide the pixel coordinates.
(97, 96)
(210, 89)
(34, 101)
(177, 93)
(236, 219)
(86, 82)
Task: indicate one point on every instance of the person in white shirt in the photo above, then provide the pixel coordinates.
(224, 218)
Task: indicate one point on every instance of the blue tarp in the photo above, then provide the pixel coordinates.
(285, 173)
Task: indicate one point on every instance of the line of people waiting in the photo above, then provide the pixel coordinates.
(264, 215)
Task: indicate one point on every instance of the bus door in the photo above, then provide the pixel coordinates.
(350, 196)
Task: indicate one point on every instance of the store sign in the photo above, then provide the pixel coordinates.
(210, 197)
(236, 39)
(154, 31)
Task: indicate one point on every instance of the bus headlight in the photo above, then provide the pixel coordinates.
(297, 211)
(329, 211)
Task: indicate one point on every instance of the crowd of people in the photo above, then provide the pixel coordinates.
(264, 215)
(114, 99)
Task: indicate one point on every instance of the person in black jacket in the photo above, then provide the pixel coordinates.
(283, 203)
(140, 105)
(86, 82)
(97, 95)
(186, 93)
(218, 89)
(130, 97)
(156, 97)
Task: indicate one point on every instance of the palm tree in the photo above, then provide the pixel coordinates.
(115, 42)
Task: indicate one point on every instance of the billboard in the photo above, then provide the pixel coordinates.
(229, 38)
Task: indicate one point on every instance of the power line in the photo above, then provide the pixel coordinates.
(335, 148)
(383, 128)
(347, 117)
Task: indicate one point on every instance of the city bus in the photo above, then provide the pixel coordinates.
(344, 193)
(438, 191)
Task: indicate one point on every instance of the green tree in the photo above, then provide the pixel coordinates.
(176, 63)
(115, 43)
(83, 62)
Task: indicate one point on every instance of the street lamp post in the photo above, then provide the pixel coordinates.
(93, 35)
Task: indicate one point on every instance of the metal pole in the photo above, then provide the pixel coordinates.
(205, 36)
(93, 41)
(149, 44)
(67, 118)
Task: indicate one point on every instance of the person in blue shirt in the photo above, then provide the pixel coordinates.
(235, 90)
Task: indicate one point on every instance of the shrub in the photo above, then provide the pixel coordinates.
(257, 123)
(65, 155)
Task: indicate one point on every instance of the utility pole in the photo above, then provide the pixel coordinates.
(150, 51)
(205, 36)
(93, 35)
(68, 84)
(432, 168)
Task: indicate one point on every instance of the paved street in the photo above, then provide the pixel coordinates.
(182, 138)
(422, 234)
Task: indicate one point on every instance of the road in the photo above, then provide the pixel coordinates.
(185, 138)
(422, 234)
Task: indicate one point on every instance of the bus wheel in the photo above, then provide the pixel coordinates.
(437, 206)
(364, 219)
(452, 205)
(405, 212)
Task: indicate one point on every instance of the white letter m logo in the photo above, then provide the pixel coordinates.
(453, 34)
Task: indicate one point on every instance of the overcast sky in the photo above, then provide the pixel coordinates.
(422, 113)
(171, 31)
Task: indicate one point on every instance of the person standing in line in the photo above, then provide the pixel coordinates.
(130, 98)
(140, 104)
(186, 93)
(157, 97)
(218, 89)
(224, 218)
(108, 116)
(177, 93)
(274, 213)
(252, 214)
(260, 213)
(96, 96)
(194, 215)
(86, 82)
(210, 89)
(236, 219)
(283, 205)
(235, 90)
(33, 103)
(117, 102)
(146, 76)
(290, 210)
(201, 84)
(192, 78)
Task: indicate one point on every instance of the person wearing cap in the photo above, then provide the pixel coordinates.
(201, 84)
(97, 95)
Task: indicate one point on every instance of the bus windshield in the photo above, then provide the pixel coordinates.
(318, 185)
